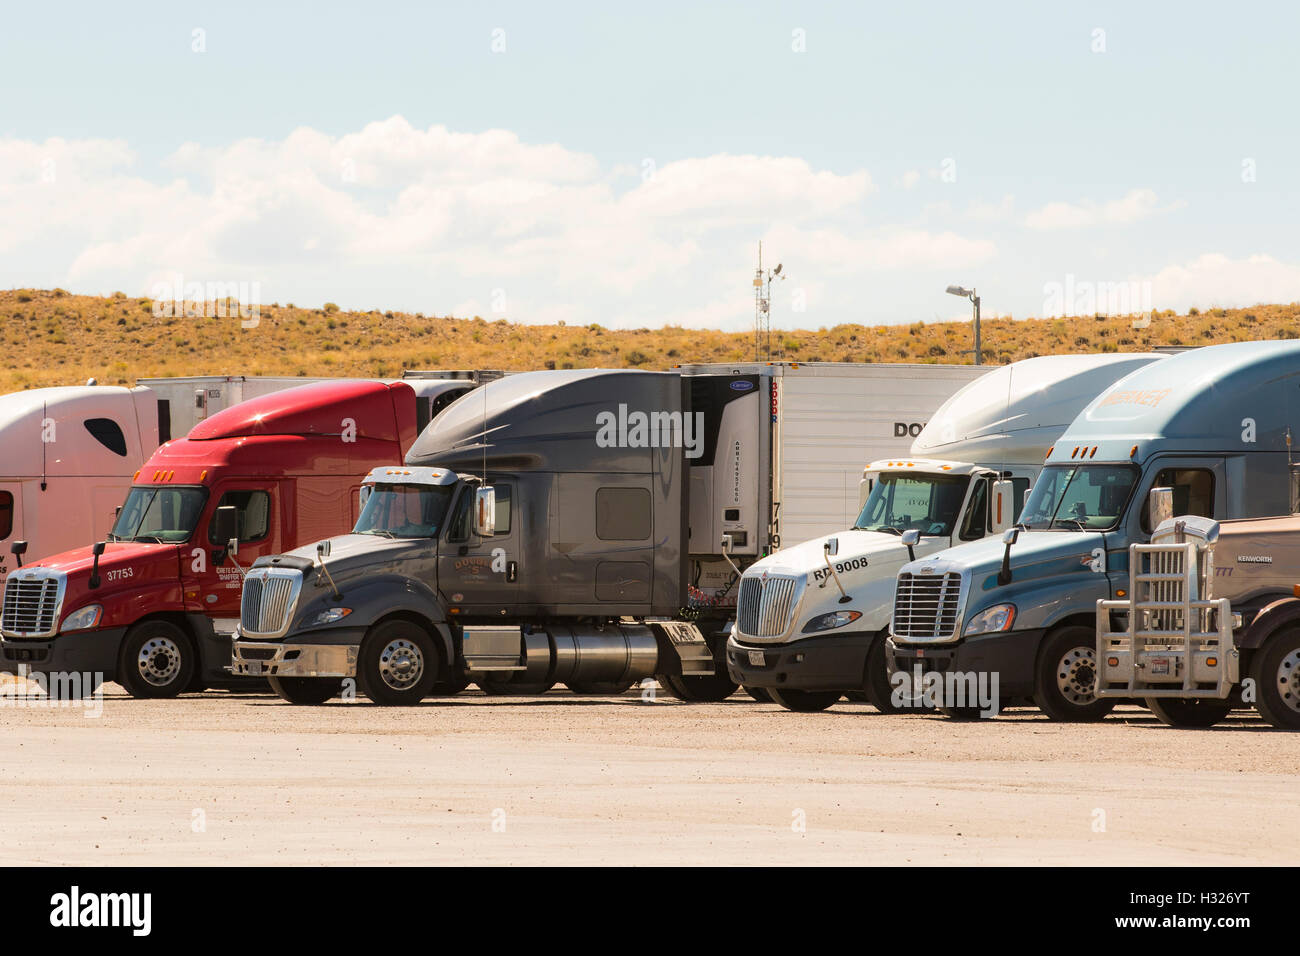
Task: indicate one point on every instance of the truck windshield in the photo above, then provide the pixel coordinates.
(404, 511)
(1079, 497)
(929, 504)
(162, 514)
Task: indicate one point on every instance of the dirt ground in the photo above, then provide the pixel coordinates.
(224, 778)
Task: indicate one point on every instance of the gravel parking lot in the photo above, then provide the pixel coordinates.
(224, 778)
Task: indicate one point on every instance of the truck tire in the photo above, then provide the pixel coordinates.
(805, 701)
(599, 688)
(1277, 680)
(698, 689)
(397, 664)
(1067, 675)
(875, 681)
(759, 694)
(306, 690)
(506, 686)
(157, 660)
(1194, 712)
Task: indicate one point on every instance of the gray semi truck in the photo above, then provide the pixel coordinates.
(1214, 424)
(587, 527)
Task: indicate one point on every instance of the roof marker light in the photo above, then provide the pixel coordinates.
(1094, 451)
(1075, 453)
(1133, 451)
(1049, 452)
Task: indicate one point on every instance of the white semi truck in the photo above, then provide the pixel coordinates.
(813, 618)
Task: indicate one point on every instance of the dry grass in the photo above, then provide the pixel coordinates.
(55, 338)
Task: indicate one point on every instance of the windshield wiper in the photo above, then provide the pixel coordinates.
(384, 531)
(1077, 521)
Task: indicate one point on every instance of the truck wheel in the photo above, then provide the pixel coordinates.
(698, 689)
(879, 690)
(397, 664)
(805, 701)
(306, 690)
(1195, 712)
(503, 685)
(157, 660)
(1277, 680)
(1065, 685)
(759, 694)
(599, 688)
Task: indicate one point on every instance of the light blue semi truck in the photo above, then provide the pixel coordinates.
(1214, 424)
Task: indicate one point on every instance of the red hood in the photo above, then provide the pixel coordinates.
(135, 554)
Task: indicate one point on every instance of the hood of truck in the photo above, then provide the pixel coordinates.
(351, 552)
(1254, 555)
(1035, 554)
(117, 556)
(809, 557)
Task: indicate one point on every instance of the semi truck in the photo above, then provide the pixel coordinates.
(1210, 621)
(813, 618)
(71, 451)
(1213, 424)
(585, 527)
(153, 604)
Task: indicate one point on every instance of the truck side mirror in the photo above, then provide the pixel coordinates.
(225, 527)
(19, 548)
(1008, 538)
(832, 546)
(1160, 506)
(485, 511)
(1001, 505)
(96, 549)
(911, 538)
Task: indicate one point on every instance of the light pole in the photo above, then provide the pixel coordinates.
(970, 294)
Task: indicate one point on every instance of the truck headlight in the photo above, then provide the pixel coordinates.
(996, 618)
(825, 622)
(82, 619)
(332, 616)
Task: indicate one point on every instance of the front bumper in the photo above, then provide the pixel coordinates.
(1009, 654)
(293, 659)
(835, 662)
(80, 652)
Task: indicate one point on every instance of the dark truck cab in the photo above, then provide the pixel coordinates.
(537, 534)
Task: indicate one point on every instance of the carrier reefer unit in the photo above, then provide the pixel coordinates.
(626, 503)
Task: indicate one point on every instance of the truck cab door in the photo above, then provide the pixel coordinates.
(1200, 488)
(11, 525)
(478, 577)
(211, 577)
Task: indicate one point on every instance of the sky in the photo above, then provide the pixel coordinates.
(620, 163)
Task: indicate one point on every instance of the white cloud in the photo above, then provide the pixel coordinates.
(436, 221)
(1137, 204)
(1214, 279)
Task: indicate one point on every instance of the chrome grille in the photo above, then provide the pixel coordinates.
(926, 605)
(267, 602)
(31, 604)
(765, 606)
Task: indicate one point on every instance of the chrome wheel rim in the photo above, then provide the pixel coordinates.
(1076, 675)
(401, 665)
(159, 661)
(1288, 680)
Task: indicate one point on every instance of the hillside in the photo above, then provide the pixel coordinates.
(55, 338)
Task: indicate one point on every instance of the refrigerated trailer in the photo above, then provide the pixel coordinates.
(814, 617)
(628, 503)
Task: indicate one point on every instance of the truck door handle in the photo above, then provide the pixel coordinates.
(512, 570)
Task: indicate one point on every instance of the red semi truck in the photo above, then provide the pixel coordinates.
(154, 606)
